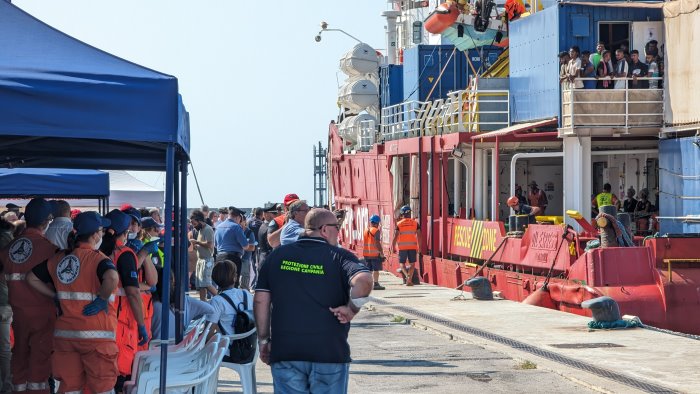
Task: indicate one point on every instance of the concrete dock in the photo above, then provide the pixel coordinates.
(568, 356)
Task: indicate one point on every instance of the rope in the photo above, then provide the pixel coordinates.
(197, 183)
(447, 63)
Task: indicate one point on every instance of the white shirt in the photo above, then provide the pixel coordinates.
(572, 69)
(58, 231)
(224, 312)
(621, 68)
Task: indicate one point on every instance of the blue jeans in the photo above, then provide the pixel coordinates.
(296, 377)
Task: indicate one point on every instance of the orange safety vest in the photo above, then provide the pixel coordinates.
(74, 276)
(127, 327)
(18, 259)
(147, 299)
(280, 221)
(370, 246)
(408, 238)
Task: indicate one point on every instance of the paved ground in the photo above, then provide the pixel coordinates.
(396, 357)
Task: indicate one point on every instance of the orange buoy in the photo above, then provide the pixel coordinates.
(442, 18)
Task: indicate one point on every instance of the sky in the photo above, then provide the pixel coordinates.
(260, 91)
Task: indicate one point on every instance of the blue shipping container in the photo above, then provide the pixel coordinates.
(390, 85)
(679, 168)
(535, 42)
(422, 66)
(482, 58)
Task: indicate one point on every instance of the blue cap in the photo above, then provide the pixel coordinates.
(120, 221)
(89, 222)
(375, 219)
(133, 212)
(405, 209)
(37, 211)
(149, 222)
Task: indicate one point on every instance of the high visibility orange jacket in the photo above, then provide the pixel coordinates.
(280, 221)
(127, 326)
(408, 238)
(76, 286)
(18, 259)
(370, 245)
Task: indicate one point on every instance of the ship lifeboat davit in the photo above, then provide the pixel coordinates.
(360, 60)
(359, 94)
(442, 18)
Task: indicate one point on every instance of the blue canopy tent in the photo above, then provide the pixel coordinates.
(57, 183)
(66, 104)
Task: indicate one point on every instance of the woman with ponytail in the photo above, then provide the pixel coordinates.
(82, 281)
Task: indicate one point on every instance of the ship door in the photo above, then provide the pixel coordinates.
(401, 182)
(614, 35)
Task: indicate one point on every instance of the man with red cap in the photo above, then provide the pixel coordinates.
(274, 229)
(34, 314)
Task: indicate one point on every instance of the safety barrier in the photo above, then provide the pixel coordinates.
(469, 110)
(623, 109)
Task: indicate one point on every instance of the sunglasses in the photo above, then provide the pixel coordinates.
(336, 225)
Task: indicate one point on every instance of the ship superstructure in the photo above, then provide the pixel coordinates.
(464, 117)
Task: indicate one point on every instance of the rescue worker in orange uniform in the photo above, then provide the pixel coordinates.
(131, 328)
(148, 275)
(33, 314)
(407, 235)
(372, 250)
(83, 281)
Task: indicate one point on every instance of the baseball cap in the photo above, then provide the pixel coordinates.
(149, 223)
(89, 222)
(290, 198)
(37, 211)
(133, 212)
(120, 221)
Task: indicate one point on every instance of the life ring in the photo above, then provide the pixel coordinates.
(443, 17)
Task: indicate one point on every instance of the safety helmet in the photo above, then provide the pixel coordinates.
(405, 209)
(513, 201)
(375, 219)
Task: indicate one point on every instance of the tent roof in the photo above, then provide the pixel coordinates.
(57, 183)
(125, 189)
(54, 87)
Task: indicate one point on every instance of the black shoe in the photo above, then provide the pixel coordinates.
(377, 286)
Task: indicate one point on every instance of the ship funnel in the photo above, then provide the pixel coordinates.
(360, 60)
(358, 94)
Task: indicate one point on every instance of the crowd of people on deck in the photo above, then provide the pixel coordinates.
(81, 293)
(604, 69)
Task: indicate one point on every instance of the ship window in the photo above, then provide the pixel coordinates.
(580, 25)
(614, 34)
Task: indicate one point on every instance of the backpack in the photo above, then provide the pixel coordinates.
(242, 351)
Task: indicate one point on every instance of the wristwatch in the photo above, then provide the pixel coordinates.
(264, 341)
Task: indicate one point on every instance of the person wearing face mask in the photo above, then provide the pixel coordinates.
(131, 327)
(82, 281)
(148, 276)
(33, 314)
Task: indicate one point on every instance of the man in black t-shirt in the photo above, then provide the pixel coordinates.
(316, 288)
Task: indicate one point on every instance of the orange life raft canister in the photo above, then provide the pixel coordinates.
(442, 18)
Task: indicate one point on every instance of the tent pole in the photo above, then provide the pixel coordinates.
(165, 297)
(184, 243)
(177, 255)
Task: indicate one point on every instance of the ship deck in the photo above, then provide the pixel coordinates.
(620, 360)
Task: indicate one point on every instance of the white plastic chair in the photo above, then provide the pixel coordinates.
(202, 381)
(245, 371)
(192, 343)
(192, 332)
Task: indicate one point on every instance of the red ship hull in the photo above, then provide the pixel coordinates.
(656, 280)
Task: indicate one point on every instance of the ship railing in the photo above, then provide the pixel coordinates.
(368, 132)
(404, 120)
(468, 110)
(621, 110)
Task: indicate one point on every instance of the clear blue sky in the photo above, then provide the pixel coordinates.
(259, 89)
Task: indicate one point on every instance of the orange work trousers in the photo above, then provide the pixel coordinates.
(80, 364)
(33, 332)
(147, 317)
